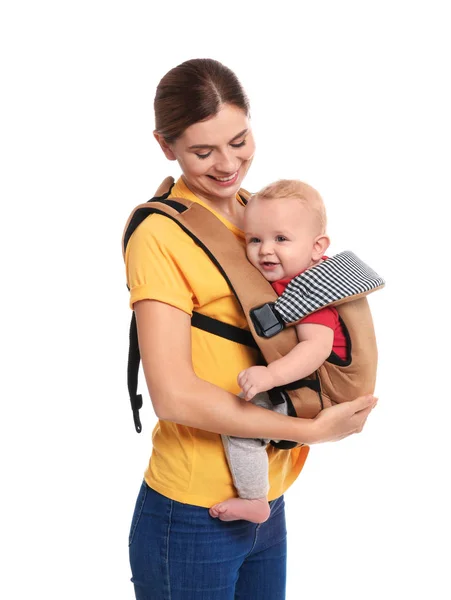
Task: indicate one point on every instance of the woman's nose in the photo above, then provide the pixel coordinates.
(226, 163)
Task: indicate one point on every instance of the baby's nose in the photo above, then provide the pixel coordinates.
(266, 248)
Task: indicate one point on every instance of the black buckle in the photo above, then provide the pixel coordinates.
(137, 421)
(266, 320)
(136, 401)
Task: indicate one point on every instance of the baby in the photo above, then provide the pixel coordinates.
(285, 227)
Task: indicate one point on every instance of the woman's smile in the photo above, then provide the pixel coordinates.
(225, 181)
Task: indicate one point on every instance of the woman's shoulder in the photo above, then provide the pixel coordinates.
(160, 229)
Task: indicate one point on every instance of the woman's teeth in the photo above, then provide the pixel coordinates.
(229, 178)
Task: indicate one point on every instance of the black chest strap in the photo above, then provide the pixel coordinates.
(224, 330)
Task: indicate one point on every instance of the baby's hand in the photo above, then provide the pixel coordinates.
(255, 380)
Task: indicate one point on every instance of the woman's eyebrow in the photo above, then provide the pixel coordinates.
(238, 135)
(199, 146)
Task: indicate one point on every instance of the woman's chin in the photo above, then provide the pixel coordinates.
(224, 191)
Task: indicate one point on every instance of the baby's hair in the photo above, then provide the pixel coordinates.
(293, 188)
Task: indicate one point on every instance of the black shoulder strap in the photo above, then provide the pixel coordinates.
(198, 320)
(134, 359)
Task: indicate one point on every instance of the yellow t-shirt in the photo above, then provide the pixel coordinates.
(163, 263)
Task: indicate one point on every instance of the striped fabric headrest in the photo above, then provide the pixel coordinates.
(334, 279)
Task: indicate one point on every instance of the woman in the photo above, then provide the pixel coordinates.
(177, 550)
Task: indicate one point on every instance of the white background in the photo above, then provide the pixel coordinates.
(352, 97)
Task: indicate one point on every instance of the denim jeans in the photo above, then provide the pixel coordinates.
(179, 552)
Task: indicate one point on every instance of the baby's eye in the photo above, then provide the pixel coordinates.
(253, 240)
(281, 238)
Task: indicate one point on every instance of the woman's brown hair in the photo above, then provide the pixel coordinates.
(193, 92)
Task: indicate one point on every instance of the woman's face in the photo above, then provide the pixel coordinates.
(215, 154)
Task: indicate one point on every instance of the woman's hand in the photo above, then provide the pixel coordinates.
(188, 400)
(339, 421)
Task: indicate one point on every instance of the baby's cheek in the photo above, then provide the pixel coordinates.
(250, 255)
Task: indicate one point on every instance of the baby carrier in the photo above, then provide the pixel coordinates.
(342, 281)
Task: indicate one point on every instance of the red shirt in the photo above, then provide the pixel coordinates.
(327, 316)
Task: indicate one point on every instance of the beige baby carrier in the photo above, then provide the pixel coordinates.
(342, 280)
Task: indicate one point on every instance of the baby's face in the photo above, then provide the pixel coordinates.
(280, 237)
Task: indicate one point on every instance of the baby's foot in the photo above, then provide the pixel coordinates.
(256, 511)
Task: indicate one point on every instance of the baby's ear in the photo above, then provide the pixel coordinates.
(320, 245)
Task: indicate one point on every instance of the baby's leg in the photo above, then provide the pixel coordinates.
(248, 464)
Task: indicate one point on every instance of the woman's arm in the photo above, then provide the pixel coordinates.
(180, 396)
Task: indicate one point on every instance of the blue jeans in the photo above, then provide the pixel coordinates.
(179, 552)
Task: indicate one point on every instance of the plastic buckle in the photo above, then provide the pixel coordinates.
(266, 320)
(137, 421)
(136, 402)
